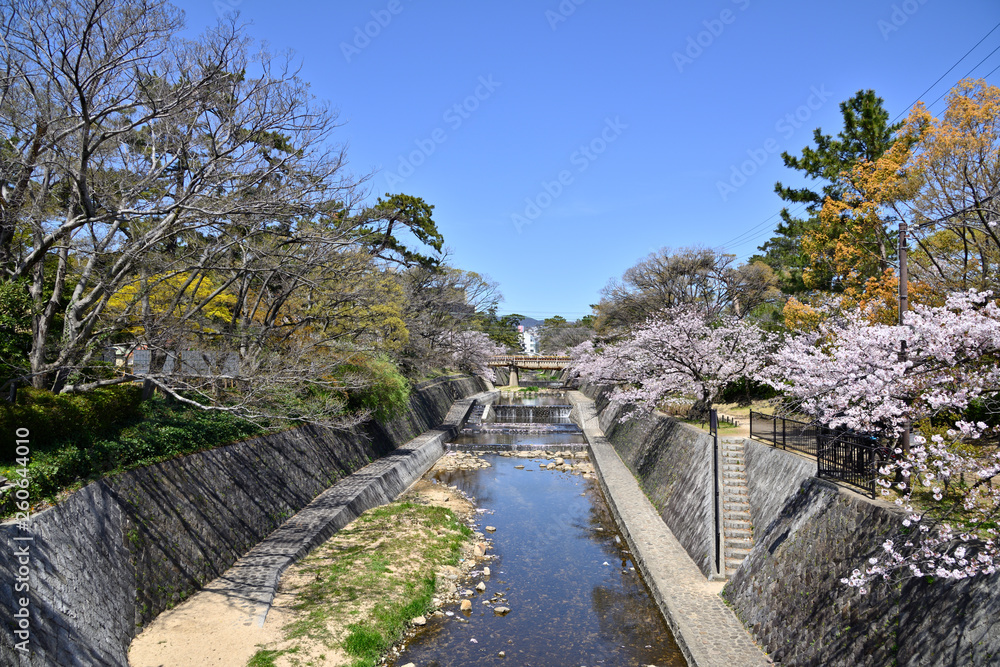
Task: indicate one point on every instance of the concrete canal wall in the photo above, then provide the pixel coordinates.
(118, 552)
(672, 463)
(808, 535)
(707, 631)
(789, 594)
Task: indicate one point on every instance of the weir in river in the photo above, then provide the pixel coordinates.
(562, 588)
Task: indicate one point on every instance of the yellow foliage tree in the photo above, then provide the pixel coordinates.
(171, 297)
(956, 210)
(854, 236)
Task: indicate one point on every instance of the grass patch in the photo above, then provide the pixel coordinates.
(265, 658)
(359, 591)
(723, 426)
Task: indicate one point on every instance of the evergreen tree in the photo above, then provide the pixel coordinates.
(866, 135)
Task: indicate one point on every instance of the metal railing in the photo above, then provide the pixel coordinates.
(851, 458)
(841, 455)
(783, 432)
(506, 359)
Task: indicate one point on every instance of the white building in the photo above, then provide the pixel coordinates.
(529, 339)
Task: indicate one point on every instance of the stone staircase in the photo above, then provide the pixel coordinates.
(476, 414)
(737, 530)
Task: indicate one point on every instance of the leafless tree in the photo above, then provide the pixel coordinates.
(441, 301)
(182, 195)
(689, 276)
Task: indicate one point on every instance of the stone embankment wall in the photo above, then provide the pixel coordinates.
(773, 476)
(788, 592)
(808, 535)
(118, 552)
(502, 377)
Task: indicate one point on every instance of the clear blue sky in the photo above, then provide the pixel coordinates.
(666, 98)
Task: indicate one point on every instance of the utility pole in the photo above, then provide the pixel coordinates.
(904, 438)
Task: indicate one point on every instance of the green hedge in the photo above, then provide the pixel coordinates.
(57, 418)
(79, 438)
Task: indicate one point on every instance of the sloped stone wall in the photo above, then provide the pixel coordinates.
(808, 535)
(788, 592)
(773, 476)
(118, 552)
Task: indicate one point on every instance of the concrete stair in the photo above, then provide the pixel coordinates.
(737, 529)
(476, 414)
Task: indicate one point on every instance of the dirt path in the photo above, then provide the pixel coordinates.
(207, 629)
(210, 629)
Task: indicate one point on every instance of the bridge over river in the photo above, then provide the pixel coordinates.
(516, 362)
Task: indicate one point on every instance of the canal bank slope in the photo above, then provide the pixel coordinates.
(118, 552)
(708, 632)
(808, 534)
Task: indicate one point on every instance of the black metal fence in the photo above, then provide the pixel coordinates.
(851, 458)
(841, 455)
(784, 433)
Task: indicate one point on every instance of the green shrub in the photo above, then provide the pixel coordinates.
(388, 394)
(59, 418)
(108, 431)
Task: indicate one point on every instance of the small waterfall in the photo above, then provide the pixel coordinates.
(531, 414)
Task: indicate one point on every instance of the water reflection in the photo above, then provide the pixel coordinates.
(561, 568)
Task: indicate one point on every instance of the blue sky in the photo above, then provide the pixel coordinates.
(560, 142)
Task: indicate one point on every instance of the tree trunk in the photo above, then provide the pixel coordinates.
(699, 410)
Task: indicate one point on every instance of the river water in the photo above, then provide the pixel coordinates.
(557, 562)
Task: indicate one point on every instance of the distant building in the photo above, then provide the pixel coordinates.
(529, 339)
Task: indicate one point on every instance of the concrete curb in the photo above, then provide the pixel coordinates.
(706, 630)
(253, 580)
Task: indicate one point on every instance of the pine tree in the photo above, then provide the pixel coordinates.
(866, 135)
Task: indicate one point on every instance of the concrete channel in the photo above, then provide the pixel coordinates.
(707, 631)
(254, 578)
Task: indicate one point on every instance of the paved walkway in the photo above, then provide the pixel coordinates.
(707, 630)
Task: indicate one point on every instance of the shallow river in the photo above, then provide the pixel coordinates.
(558, 563)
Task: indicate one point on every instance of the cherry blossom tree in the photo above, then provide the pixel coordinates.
(678, 355)
(850, 373)
(470, 352)
(952, 537)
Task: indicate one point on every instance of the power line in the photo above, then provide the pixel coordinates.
(947, 73)
(965, 77)
(750, 231)
(939, 79)
(740, 240)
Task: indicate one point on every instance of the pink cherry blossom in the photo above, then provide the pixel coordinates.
(680, 354)
(851, 373)
(470, 352)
